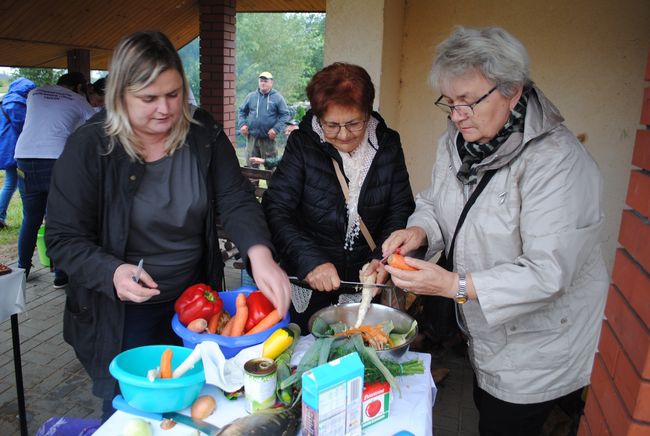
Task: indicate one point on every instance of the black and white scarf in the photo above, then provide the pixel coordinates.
(473, 153)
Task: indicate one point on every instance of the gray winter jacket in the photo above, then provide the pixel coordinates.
(532, 245)
(261, 112)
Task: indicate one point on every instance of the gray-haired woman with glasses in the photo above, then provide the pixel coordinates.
(316, 229)
(525, 266)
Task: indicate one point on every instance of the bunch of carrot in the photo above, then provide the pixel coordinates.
(235, 326)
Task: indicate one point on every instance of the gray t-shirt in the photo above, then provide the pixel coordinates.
(168, 221)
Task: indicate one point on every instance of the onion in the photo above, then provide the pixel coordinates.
(203, 407)
(137, 427)
(198, 325)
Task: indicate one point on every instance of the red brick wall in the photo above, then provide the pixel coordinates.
(217, 48)
(619, 398)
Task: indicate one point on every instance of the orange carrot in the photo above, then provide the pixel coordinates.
(241, 316)
(372, 335)
(267, 322)
(166, 363)
(213, 323)
(227, 328)
(234, 326)
(396, 260)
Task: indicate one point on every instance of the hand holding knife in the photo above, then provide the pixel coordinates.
(384, 260)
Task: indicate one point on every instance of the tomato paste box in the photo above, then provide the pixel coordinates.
(331, 398)
(376, 403)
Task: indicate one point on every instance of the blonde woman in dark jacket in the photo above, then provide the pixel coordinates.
(145, 180)
(315, 230)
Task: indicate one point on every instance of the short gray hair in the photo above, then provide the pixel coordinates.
(491, 51)
(137, 62)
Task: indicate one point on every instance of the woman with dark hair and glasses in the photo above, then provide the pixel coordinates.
(316, 228)
(525, 266)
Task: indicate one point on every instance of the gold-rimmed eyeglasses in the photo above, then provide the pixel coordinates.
(331, 130)
(466, 110)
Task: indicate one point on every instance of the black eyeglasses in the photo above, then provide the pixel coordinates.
(331, 130)
(466, 110)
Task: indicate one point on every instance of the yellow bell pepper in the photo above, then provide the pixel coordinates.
(279, 341)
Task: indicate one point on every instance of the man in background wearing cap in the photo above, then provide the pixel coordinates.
(261, 116)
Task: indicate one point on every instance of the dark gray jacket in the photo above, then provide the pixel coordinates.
(261, 112)
(88, 226)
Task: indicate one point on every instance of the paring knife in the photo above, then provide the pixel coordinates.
(120, 403)
(295, 280)
(138, 272)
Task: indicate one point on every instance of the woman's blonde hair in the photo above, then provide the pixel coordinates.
(137, 62)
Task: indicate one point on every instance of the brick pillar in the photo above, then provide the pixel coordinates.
(217, 49)
(79, 61)
(619, 399)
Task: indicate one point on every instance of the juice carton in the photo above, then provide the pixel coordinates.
(376, 403)
(331, 398)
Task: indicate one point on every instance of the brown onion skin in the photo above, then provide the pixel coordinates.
(198, 325)
(203, 407)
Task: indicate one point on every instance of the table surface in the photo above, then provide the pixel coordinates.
(412, 411)
(12, 293)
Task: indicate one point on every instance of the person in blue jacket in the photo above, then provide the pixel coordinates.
(14, 107)
(261, 117)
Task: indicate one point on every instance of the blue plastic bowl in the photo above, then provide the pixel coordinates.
(130, 368)
(230, 345)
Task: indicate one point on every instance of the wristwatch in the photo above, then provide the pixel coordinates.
(461, 294)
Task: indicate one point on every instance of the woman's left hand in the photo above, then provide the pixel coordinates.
(270, 278)
(430, 279)
(376, 266)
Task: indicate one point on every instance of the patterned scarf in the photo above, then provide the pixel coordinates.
(355, 167)
(473, 153)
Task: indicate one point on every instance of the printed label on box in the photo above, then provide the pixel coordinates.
(332, 398)
(376, 403)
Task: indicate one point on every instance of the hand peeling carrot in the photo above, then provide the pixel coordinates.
(267, 322)
(166, 364)
(396, 260)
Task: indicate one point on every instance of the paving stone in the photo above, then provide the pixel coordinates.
(7, 370)
(36, 356)
(52, 349)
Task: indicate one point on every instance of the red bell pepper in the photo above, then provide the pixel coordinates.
(258, 307)
(197, 301)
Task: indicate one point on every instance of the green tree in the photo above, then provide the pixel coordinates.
(40, 76)
(191, 64)
(289, 45)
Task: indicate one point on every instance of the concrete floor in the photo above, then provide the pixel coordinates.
(56, 384)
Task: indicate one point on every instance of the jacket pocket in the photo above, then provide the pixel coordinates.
(79, 329)
(539, 340)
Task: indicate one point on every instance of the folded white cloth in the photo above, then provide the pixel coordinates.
(226, 374)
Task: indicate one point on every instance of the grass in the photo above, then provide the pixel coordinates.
(9, 235)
